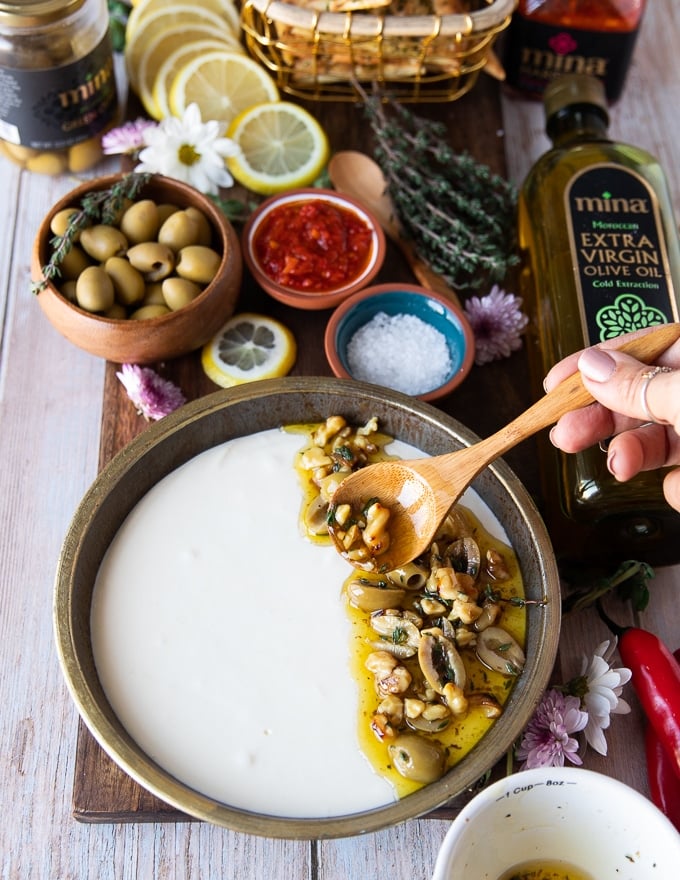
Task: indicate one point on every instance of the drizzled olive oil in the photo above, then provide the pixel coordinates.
(546, 870)
(600, 258)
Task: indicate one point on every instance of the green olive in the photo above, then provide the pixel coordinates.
(68, 290)
(418, 757)
(128, 283)
(116, 311)
(154, 260)
(140, 222)
(47, 163)
(146, 312)
(165, 209)
(179, 292)
(94, 290)
(153, 294)
(74, 262)
(102, 241)
(370, 597)
(84, 155)
(198, 263)
(179, 231)
(205, 237)
(59, 223)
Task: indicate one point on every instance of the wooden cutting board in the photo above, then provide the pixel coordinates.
(491, 395)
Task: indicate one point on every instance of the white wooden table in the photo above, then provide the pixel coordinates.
(50, 414)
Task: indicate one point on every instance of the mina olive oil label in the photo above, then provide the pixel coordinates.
(619, 253)
(55, 107)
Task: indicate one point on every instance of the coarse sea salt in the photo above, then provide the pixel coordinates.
(401, 352)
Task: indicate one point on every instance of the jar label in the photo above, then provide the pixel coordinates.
(619, 253)
(537, 53)
(54, 108)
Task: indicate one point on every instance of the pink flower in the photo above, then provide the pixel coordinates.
(153, 396)
(546, 741)
(127, 138)
(497, 321)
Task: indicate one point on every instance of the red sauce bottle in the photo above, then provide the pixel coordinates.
(548, 38)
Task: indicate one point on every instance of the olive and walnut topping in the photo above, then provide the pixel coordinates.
(435, 641)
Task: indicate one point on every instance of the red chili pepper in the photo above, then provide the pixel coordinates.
(664, 783)
(656, 679)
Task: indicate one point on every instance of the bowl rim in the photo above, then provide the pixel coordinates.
(378, 290)
(228, 413)
(309, 299)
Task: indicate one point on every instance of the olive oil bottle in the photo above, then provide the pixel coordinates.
(601, 257)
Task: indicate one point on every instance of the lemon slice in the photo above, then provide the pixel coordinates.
(282, 147)
(225, 8)
(223, 84)
(165, 45)
(175, 20)
(172, 65)
(249, 347)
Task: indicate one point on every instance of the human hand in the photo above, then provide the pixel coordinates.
(640, 411)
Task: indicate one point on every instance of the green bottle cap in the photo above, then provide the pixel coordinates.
(574, 88)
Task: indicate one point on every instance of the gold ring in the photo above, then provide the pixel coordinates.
(648, 375)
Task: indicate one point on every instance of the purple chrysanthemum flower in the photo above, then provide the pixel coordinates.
(153, 396)
(497, 321)
(546, 741)
(127, 138)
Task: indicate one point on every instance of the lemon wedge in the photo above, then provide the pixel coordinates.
(282, 147)
(247, 348)
(223, 84)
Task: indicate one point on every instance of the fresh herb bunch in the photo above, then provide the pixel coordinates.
(628, 582)
(459, 215)
(102, 206)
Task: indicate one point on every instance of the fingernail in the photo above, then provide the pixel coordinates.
(611, 463)
(551, 435)
(597, 364)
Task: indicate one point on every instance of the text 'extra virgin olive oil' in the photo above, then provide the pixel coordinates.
(601, 257)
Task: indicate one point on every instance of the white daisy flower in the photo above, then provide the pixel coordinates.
(602, 694)
(189, 150)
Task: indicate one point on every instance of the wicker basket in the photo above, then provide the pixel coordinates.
(319, 55)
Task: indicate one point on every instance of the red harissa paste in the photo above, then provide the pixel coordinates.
(312, 246)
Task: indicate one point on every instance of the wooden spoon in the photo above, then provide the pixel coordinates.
(420, 493)
(357, 175)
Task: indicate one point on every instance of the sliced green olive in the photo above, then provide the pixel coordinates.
(369, 597)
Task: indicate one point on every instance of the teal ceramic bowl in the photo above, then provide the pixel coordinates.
(417, 355)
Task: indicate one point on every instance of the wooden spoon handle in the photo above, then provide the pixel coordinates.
(569, 395)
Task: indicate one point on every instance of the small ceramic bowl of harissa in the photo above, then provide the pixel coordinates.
(312, 248)
(403, 337)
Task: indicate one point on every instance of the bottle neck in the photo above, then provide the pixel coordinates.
(577, 123)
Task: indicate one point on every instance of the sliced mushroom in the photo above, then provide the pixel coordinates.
(465, 556)
(439, 661)
(498, 650)
(373, 597)
(417, 757)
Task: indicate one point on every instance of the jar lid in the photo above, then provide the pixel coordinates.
(574, 88)
(36, 12)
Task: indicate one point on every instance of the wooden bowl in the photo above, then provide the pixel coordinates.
(237, 412)
(327, 297)
(152, 339)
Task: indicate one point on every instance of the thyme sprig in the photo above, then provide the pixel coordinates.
(102, 206)
(459, 214)
(629, 582)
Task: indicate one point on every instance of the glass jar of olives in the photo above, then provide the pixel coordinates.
(57, 83)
